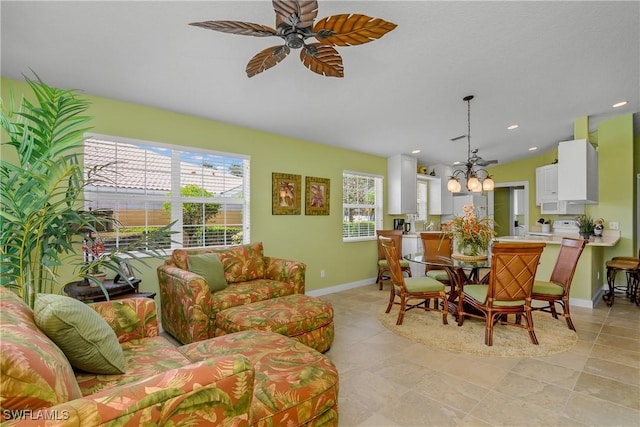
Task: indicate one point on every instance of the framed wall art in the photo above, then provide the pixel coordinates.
(286, 194)
(316, 196)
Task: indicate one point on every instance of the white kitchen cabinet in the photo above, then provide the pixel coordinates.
(547, 184)
(561, 207)
(547, 193)
(412, 244)
(402, 186)
(440, 199)
(577, 171)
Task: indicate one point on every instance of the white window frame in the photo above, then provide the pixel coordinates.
(376, 205)
(175, 199)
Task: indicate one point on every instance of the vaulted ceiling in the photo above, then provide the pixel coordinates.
(537, 64)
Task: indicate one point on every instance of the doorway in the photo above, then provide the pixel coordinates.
(509, 208)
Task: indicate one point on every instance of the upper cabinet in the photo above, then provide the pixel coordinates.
(402, 185)
(547, 184)
(577, 171)
(547, 180)
(440, 199)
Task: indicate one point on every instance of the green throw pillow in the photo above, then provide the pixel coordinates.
(80, 332)
(209, 266)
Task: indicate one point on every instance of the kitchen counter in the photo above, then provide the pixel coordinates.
(609, 238)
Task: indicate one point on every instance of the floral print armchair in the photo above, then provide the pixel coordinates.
(189, 307)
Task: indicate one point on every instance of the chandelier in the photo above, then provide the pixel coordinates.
(477, 179)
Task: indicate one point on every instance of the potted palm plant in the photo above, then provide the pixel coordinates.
(43, 223)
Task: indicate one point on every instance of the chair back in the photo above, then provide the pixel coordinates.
(565, 267)
(396, 236)
(436, 245)
(393, 260)
(513, 271)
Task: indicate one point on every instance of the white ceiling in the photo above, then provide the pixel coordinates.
(538, 64)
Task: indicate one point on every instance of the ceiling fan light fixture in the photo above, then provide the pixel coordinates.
(454, 185)
(478, 179)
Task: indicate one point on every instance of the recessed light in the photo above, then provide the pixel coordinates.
(620, 104)
(533, 148)
(512, 127)
(457, 163)
(415, 151)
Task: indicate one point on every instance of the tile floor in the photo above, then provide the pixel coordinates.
(387, 380)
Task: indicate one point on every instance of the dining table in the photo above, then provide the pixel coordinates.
(460, 272)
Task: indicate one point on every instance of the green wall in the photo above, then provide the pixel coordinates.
(616, 180)
(315, 240)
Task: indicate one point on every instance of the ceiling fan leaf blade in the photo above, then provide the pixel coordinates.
(323, 60)
(351, 29)
(296, 13)
(237, 27)
(266, 59)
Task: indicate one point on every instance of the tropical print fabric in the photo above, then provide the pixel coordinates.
(35, 373)
(212, 392)
(188, 305)
(130, 318)
(306, 319)
(143, 358)
(295, 385)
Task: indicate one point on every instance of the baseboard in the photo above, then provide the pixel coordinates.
(340, 288)
(574, 302)
(580, 302)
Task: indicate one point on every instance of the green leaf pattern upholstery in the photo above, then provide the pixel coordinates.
(189, 307)
(247, 378)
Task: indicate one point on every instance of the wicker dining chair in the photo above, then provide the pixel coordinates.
(513, 270)
(556, 290)
(383, 267)
(436, 245)
(411, 288)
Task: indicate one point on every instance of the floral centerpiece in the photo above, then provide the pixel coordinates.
(471, 235)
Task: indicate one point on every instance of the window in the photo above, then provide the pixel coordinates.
(361, 206)
(148, 185)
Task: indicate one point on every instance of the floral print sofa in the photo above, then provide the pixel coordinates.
(247, 378)
(189, 306)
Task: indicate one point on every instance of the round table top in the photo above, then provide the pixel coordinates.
(441, 261)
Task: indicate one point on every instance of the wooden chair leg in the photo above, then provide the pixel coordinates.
(567, 314)
(488, 330)
(403, 308)
(392, 297)
(529, 319)
(552, 308)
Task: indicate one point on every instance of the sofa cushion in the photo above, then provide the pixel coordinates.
(81, 333)
(248, 292)
(35, 372)
(243, 263)
(209, 266)
(143, 358)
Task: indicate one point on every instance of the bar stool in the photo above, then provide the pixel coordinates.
(630, 266)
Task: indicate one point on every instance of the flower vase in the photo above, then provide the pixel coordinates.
(469, 251)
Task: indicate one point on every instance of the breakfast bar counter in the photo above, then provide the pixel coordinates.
(589, 278)
(608, 238)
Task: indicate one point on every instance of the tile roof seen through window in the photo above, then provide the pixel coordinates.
(149, 168)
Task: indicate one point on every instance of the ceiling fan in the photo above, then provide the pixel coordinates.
(477, 160)
(295, 24)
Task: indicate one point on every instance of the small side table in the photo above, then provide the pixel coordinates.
(83, 292)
